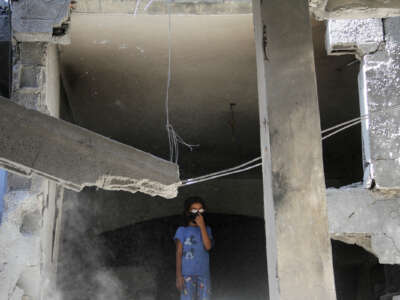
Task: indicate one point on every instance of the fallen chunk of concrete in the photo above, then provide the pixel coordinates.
(32, 142)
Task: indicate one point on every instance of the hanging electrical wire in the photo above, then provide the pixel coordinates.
(173, 138)
(221, 173)
(243, 167)
(355, 121)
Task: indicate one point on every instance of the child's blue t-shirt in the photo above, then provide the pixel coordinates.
(195, 258)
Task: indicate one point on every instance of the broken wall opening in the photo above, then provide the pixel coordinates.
(114, 77)
(359, 275)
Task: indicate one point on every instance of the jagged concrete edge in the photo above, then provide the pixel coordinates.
(111, 183)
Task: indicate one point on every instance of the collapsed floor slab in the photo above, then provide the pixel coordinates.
(76, 157)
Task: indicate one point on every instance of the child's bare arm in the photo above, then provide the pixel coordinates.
(204, 234)
(179, 278)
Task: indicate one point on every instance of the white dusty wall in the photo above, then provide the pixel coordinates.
(32, 205)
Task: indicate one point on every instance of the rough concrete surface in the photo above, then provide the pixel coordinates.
(366, 218)
(379, 86)
(293, 178)
(76, 157)
(35, 20)
(354, 9)
(20, 250)
(353, 36)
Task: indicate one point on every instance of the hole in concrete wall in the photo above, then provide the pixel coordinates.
(114, 75)
(358, 274)
(338, 102)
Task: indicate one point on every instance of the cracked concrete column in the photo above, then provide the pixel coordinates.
(376, 43)
(298, 244)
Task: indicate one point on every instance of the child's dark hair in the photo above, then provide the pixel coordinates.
(188, 203)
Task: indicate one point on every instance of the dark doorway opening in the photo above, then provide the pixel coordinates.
(360, 276)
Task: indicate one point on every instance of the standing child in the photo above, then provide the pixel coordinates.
(193, 241)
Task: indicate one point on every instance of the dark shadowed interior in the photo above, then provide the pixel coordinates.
(114, 84)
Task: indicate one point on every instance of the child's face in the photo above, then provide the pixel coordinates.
(196, 206)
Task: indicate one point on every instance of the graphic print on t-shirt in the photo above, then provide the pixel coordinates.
(189, 241)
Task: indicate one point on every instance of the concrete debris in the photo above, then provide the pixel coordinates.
(20, 251)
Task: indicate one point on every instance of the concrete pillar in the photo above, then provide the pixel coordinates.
(29, 232)
(298, 245)
(31, 208)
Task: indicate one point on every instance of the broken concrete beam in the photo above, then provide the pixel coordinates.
(366, 218)
(32, 142)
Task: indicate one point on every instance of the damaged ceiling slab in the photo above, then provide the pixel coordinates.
(354, 9)
(75, 157)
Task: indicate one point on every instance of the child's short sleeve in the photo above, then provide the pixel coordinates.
(179, 234)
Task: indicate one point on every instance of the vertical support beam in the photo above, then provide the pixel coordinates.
(299, 250)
